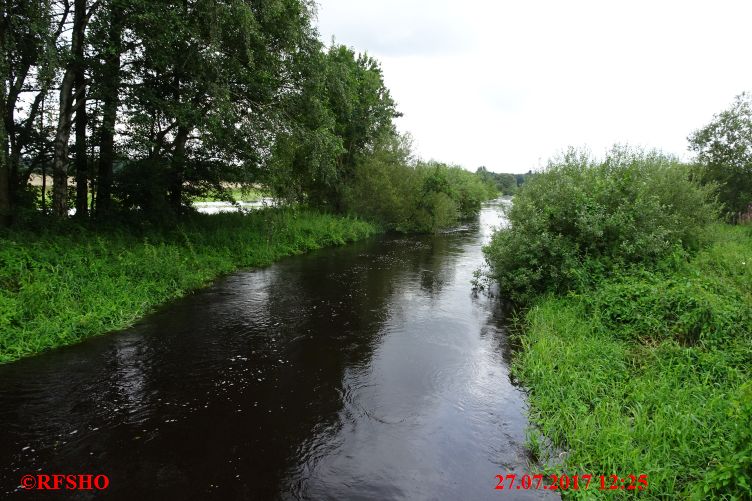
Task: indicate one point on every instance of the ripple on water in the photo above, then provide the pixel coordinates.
(368, 371)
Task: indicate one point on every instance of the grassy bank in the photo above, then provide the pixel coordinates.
(59, 287)
(648, 372)
(636, 327)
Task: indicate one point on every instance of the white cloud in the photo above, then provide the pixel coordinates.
(508, 84)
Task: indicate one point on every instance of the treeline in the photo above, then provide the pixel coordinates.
(150, 104)
(408, 195)
(506, 184)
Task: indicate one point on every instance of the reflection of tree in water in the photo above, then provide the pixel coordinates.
(433, 265)
(342, 299)
(437, 264)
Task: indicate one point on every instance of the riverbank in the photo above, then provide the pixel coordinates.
(649, 373)
(58, 287)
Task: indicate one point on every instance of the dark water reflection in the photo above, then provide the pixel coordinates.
(364, 372)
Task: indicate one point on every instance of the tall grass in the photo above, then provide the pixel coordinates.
(650, 373)
(58, 287)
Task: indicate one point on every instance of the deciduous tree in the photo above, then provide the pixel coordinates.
(724, 148)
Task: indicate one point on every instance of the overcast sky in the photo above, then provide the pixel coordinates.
(509, 84)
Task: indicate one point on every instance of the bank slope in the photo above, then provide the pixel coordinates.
(649, 373)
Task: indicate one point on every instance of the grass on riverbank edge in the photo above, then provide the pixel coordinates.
(59, 287)
(649, 373)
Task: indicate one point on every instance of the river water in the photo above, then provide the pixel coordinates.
(369, 371)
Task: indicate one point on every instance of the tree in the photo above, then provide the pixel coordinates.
(505, 183)
(724, 149)
(5, 203)
(173, 99)
(363, 112)
(110, 36)
(71, 88)
(205, 100)
(29, 30)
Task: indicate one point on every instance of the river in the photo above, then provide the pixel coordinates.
(369, 371)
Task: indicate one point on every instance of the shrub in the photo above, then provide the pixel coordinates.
(634, 207)
(422, 197)
(384, 188)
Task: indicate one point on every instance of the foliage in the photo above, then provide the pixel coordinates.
(65, 283)
(649, 373)
(234, 194)
(194, 94)
(199, 95)
(634, 207)
(406, 196)
(506, 184)
(724, 148)
(344, 111)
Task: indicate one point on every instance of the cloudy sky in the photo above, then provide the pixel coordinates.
(509, 84)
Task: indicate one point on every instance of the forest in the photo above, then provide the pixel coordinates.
(140, 107)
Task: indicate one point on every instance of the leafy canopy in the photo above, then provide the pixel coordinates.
(724, 148)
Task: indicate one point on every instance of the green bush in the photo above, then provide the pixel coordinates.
(421, 197)
(634, 207)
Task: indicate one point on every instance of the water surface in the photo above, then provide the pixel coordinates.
(364, 372)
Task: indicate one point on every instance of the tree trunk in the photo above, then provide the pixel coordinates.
(44, 188)
(177, 175)
(62, 135)
(109, 113)
(5, 195)
(82, 178)
(60, 162)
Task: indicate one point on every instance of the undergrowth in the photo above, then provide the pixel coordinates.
(649, 372)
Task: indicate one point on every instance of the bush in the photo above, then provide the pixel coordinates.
(634, 207)
(422, 197)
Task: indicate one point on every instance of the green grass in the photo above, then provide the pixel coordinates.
(649, 373)
(60, 286)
